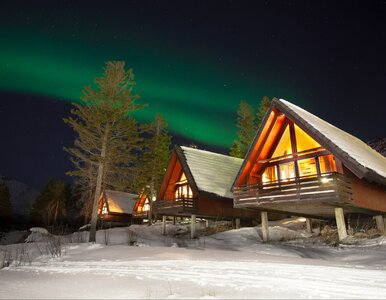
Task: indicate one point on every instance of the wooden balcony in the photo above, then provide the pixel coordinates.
(176, 206)
(328, 188)
(143, 214)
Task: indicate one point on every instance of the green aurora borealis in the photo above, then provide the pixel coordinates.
(196, 92)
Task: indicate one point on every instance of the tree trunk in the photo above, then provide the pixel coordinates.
(151, 203)
(56, 213)
(98, 188)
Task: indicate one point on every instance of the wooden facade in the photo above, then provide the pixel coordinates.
(302, 165)
(142, 207)
(116, 207)
(198, 183)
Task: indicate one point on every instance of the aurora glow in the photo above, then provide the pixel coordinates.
(199, 98)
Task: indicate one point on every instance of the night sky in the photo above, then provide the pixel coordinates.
(193, 60)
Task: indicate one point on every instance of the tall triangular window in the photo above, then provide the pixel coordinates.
(304, 141)
(183, 189)
(284, 146)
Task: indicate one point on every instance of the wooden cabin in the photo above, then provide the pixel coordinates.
(302, 165)
(141, 208)
(198, 183)
(116, 206)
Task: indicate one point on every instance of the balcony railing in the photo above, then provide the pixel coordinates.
(142, 214)
(180, 205)
(332, 187)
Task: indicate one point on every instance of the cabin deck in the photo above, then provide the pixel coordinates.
(311, 195)
(143, 214)
(180, 206)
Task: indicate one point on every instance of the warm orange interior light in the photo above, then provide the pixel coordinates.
(304, 141)
(327, 163)
(307, 167)
(284, 145)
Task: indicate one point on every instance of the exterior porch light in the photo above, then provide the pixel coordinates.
(325, 180)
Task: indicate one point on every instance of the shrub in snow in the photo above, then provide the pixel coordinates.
(2, 258)
(38, 234)
(131, 237)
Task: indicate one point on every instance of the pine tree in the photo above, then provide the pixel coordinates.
(51, 204)
(263, 108)
(5, 205)
(107, 134)
(155, 157)
(246, 130)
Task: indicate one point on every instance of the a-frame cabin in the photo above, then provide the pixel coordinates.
(141, 208)
(302, 165)
(116, 207)
(197, 183)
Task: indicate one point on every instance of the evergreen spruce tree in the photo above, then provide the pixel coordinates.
(263, 107)
(246, 130)
(107, 134)
(5, 206)
(155, 157)
(50, 206)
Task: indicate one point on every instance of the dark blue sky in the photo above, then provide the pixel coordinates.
(194, 61)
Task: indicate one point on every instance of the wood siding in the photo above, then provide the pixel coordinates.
(368, 195)
(204, 206)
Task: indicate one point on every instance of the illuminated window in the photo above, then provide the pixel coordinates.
(183, 190)
(307, 167)
(304, 141)
(287, 171)
(284, 145)
(146, 206)
(327, 164)
(104, 209)
(270, 174)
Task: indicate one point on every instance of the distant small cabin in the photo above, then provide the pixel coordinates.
(302, 165)
(142, 207)
(116, 206)
(198, 183)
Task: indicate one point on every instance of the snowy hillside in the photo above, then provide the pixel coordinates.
(227, 265)
(22, 195)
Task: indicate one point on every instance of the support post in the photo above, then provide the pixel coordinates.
(340, 223)
(380, 223)
(193, 226)
(163, 225)
(206, 223)
(309, 225)
(237, 223)
(264, 226)
(174, 220)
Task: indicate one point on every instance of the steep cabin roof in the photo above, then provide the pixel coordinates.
(356, 155)
(120, 202)
(140, 202)
(206, 172)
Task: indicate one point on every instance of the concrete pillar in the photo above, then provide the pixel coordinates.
(193, 226)
(340, 223)
(174, 220)
(237, 223)
(206, 223)
(309, 225)
(264, 226)
(163, 225)
(380, 223)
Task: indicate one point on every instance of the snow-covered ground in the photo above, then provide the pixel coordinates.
(231, 264)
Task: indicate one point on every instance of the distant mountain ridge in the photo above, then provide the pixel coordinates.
(22, 195)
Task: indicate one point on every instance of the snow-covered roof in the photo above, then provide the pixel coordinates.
(212, 172)
(353, 149)
(120, 202)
